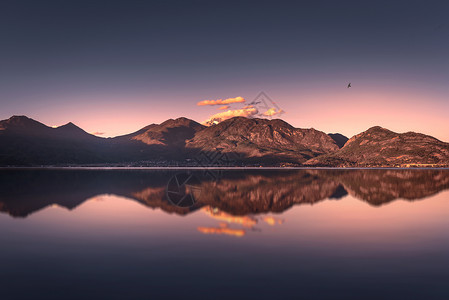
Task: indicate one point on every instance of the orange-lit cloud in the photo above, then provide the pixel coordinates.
(221, 101)
(222, 216)
(223, 229)
(224, 107)
(97, 133)
(217, 118)
(272, 221)
(272, 112)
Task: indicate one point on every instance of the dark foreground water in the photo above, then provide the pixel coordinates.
(285, 234)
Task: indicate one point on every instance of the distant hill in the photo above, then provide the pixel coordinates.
(381, 147)
(24, 126)
(24, 141)
(340, 139)
(246, 141)
(171, 133)
(156, 142)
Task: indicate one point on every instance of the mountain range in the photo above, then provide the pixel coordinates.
(238, 192)
(238, 141)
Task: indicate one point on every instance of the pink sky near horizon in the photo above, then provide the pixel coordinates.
(116, 75)
(333, 110)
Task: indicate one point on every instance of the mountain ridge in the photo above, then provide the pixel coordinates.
(263, 138)
(252, 141)
(379, 146)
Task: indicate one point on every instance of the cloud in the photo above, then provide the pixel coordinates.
(223, 229)
(273, 221)
(221, 101)
(224, 107)
(97, 133)
(222, 216)
(272, 112)
(217, 118)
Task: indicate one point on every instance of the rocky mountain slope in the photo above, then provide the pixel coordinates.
(171, 133)
(244, 141)
(262, 139)
(24, 141)
(381, 147)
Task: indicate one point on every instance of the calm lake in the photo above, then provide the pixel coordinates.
(224, 234)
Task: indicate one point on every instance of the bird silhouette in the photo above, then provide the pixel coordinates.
(349, 85)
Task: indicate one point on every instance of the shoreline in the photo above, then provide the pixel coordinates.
(220, 168)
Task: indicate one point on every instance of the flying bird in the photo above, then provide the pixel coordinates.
(349, 85)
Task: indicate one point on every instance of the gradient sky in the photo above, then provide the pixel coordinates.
(116, 66)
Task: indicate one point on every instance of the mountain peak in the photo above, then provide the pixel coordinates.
(182, 121)
(379, 146)
(263, 139)
(20, 120)
(173, 132)
(378, 129)
(22, 124)
(72, 130)
(19, 117)
(234, 121)
(69, 125)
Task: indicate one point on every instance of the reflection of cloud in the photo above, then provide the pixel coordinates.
(224, 107)
(272, 112)
(272, 221)
(222, 216)
(221, 101)
(97, 133)
(223, 229)
(217, 118)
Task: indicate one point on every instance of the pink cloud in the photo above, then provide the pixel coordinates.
(221, 101)
(219, 117)
(272, 112)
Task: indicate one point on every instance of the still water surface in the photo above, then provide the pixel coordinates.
(249, 234)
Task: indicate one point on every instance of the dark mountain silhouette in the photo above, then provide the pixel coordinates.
(22, 125)
(381, 147)
(26, 142)
(155, 142)
(28, 128)
(71, 131)
(340, 139)
(171, 133)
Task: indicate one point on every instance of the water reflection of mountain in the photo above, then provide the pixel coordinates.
(237, 192)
